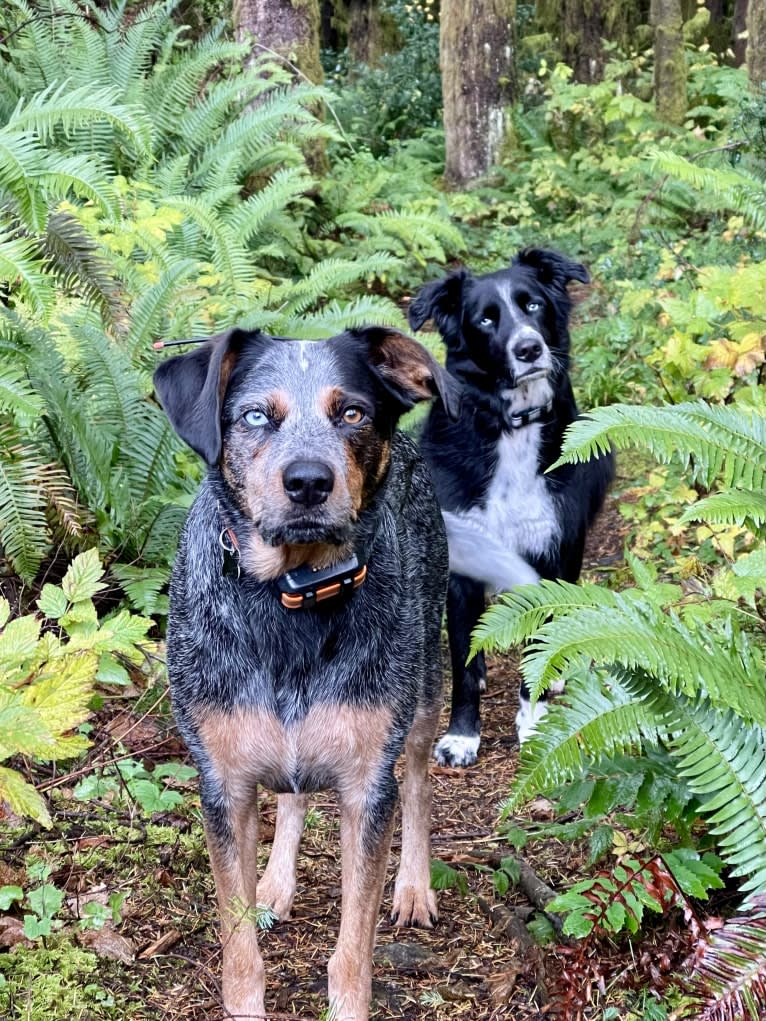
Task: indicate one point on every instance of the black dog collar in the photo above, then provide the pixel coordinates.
(518, 420)
(305, 586)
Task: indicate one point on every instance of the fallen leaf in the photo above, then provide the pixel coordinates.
(12, 932)
(107, 942)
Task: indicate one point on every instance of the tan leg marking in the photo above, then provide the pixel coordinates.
(276, 888)
(349, 970)
(234, 870)
(414, 900)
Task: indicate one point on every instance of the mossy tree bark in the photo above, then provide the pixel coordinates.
(477, 58)
(365, 32)
(756, 43)
(288, 27)
(669, 61)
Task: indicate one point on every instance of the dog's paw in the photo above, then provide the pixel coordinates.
(415, 906)
(457, 750)
(276, 896)
(528, 717)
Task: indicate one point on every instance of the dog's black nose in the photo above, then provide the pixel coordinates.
(308, 482)
(528, 349)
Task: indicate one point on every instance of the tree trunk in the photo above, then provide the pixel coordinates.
(581, 26)
(477, 58)
(756, 43)
(739, 24)
(365, 32)
(287, 27)
(669, 61)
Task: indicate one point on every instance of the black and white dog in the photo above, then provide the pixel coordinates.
(508, 523)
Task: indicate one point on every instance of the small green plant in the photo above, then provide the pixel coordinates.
(47, 676)
(129, 778)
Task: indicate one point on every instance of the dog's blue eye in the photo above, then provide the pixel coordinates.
(255, 419)
(487, 321)
(533, 306)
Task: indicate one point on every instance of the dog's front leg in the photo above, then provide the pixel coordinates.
(231, 828)
(276, 888)
(365, 833)
(414, 900)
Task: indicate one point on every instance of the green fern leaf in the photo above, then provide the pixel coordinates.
(733, 507)
(592, 721)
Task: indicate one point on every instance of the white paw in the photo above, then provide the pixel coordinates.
(528, 717)
(457, 750)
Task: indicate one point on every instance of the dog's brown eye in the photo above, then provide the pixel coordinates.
(353, 415)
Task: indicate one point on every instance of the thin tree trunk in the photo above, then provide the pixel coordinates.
(669, 61)
(739, 24)
(477, 58)
(756, 43)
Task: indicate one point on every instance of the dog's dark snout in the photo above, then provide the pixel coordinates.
(528, 349)
(308, 482)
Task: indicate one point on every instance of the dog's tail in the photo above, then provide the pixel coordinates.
(475, 554)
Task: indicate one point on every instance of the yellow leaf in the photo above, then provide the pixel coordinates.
(723, 355)
(750, 353)
(22, 798)
(62, 695)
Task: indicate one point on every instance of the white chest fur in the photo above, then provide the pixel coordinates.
(519, 509)
(517, 520)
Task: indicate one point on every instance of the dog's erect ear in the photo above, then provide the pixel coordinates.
(440, 300)
(408, 371)
(191, 388)
(552, 267)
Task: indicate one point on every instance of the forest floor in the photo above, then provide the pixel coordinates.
(163, 959)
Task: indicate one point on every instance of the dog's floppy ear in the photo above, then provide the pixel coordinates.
(552, 267)
(441, 300)
(191, 388)
(408, 371)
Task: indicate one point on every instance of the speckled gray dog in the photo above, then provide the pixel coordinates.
(303, 638)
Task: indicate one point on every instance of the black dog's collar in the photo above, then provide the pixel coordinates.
(517, 420)
(305, 586)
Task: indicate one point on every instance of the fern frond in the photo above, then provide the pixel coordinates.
(728, 970)
(17, 396)
(63, 108)
(20, 266)
(149, 309)
(75, 260)
(590, 722)
(732, 507)
(727, 441)
(717, 188)
(326, 278)
(520, 613)
(229, 255)
(249, 217)
(635, 634)
(723, 761)
(337, 316)
(23, 528)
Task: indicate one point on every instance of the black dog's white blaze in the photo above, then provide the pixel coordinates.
(508, 523)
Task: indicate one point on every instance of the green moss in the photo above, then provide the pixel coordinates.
(59, 981)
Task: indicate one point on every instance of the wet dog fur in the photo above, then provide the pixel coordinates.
(305, 465)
